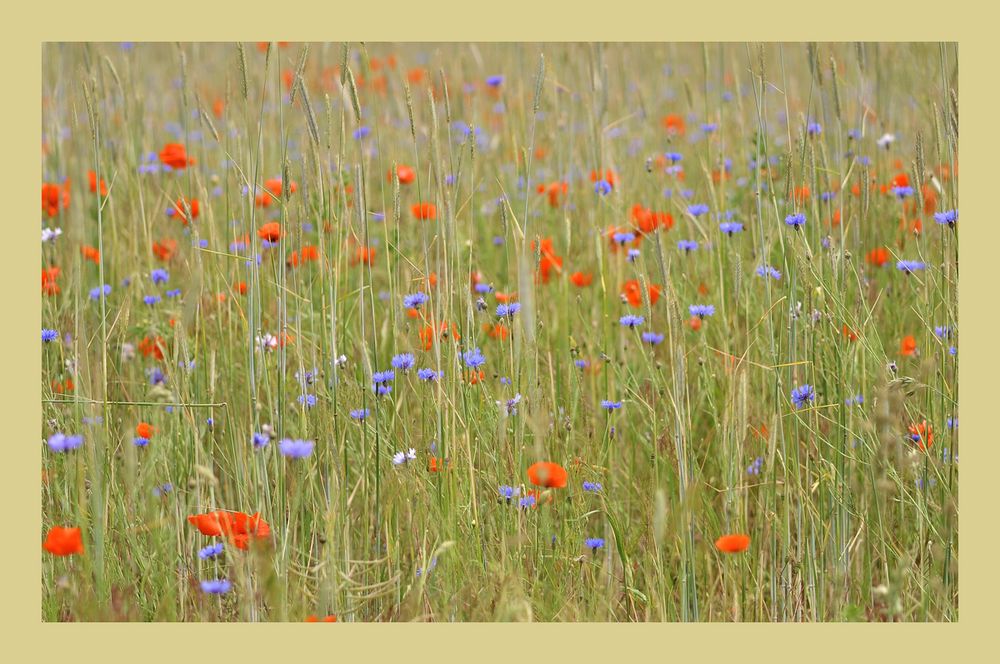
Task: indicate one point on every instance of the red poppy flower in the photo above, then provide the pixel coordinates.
(175, 156)
(62, 541)
(164, 249)
(632, 291)
(674, 124)
(435, 464)
(580, 279)
(91, 254)
(427, 334)
(908, 345)
(270, 231)
(144, 430)
(92, 179)
(850, 334)
(312, 618)
(424, 211)
(878, 256)
(152, 346)
(405, 174)
(556, 191)
(218, 106)
(54, 198)
(732, 543)
(547, 474)
(238, 527)
(922, 435)
(180, 209)
(497, 331)
(695, 323)
(365, 255)
(49, 276)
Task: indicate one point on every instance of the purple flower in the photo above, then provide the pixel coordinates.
(631, 321)
(216, 586)
(49, 335)
(296, 449)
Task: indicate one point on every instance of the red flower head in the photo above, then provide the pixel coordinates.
(63, 541)
(270, 231)
(547, 474)
(733, 543)
(175, 156)
(424, 211)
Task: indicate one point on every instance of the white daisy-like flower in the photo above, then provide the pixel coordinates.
(411, 454)
(886, 140)
(50, 234)
(399, 458)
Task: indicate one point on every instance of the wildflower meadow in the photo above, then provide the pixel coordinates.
(483, 332)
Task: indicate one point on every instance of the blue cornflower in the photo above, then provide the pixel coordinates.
(494, 81)
(814, 129)
(260, 440)
(652, 338)
(95, 293)
(942, 332)
(581, 363)
(527, 501)
(592, 487)
(673, 157)
(211, 551)
(483, 289)
(434, 562)
(609, 405)
(754, 468)
(902, 192)
(508, 310)
(508, 493)
(415, 300)
(633, 254)
(138, 441)
(162, 490)
(216, 586)
(631, 320)
(360, 414)
(709, 127)
(697, 209)
(159, 276)
(362, 132)
(428, 374)
(403, 361)
(951, 423)
(152, 299)
(857, 399)
(730, 227)
(498, 240)
(603, 187)
(474, 358)
(854, 134)
(60, 442)
(381, 389)
(512, 404)
(594, 543)
(947, 217)
(383, 376)
(701, 310)
(308, 400)
(49, 335)
(156, 376)
(909, 267)
(952, 350)
(623, 237)
(296, 449)
(687, 246)
(176, 292)
(827, 196)
(795, 220)
(768, 271)
(802, 395)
